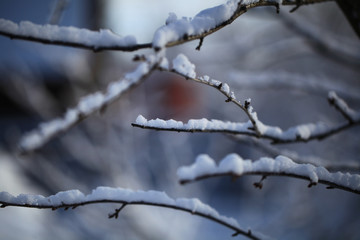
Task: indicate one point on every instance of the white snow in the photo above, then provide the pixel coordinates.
(234, 164)
(102, 38)
(194, 124)
(108, 194)
(181, 64)
(176, 29)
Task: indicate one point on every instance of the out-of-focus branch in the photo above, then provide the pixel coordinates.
(75, 198)
(234, 166)
(57, 11)
(87, 106)
(326, 46)
(265, 80)
(273, 152)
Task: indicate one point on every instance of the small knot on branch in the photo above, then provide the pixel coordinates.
(139, 58)
(298, 4)
(260, 183)
(117, 211)
(277, 6)
(311, 184)
(330, 187)
(200, 44)
(247, 104)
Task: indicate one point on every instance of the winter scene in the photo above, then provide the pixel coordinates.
(219, 119)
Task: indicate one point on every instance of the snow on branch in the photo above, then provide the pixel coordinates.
(183, 67)
(75, 198)
(272, 151)
(87, 106)
(300, 133)
(177, 31)
(233, 165)
(69, 36)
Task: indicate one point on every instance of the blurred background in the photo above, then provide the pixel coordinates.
(286, 63)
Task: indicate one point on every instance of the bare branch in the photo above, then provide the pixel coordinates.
(325, 45)
(87, 106)
(75, 198)
(343, 108)
(234, 166)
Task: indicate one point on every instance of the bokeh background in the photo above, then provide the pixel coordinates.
(286, 63)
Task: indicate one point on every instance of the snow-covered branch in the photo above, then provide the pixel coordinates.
(233, 165)
(183, 67)
(272, 151)
(300, 133)
(69, 36)
(87, 106)
(177, 31)
(75, 198)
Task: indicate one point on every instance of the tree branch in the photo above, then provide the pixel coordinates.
(174, 33)
(234, 166)
(69, 36)
(177, 32)
(87, 106)
(75, 198)
(271, 151)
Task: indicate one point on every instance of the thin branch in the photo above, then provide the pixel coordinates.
(234, 166)
(75, 198)
(275, 80)
(87, 106)
(183, 67)
(325, 45)
(299, 133)
(69, 36)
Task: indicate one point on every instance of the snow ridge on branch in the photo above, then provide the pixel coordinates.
(87, 106)
(233, 165)
(69, 36)
(75, 198)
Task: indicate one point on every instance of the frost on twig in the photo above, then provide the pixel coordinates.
(75, 198)
(69, 36)
(233, 165)
(87, 106)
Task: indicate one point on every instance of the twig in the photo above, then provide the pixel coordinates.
(300, 133)
(74, 198)
(234, 166)
(9, 29)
